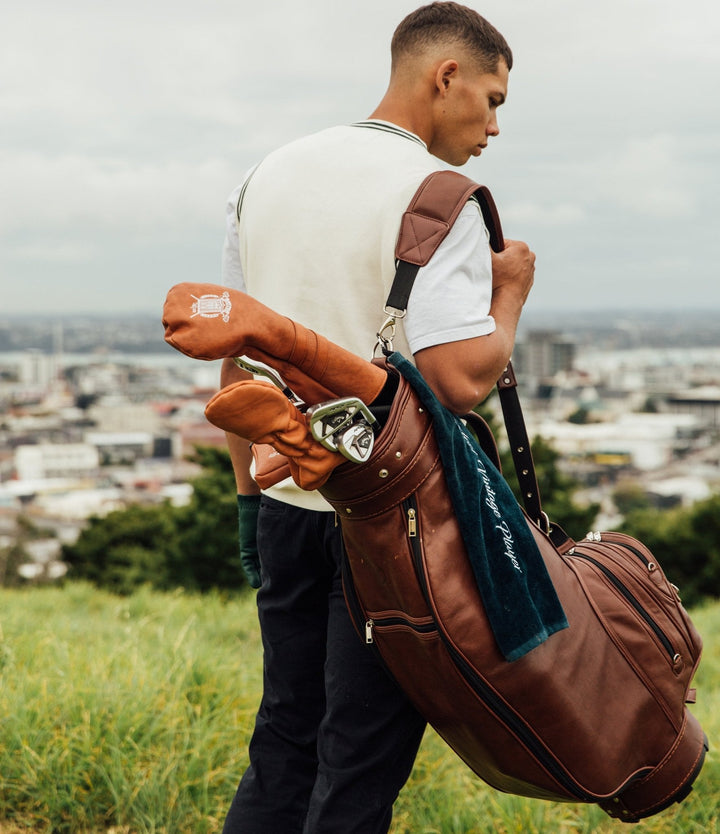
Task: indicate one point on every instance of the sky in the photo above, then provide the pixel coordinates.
(124, 127)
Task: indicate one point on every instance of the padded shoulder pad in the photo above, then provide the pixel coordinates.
(433, 210)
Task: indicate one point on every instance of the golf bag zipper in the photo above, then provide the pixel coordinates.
(634, 602)
(412, 522)
(409, 506)
(598, 537)
(648, 564)
(353, 603)
(359, 618)
(615, 538)
(490, 698)
(374, 622)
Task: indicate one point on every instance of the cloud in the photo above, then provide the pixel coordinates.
(126, 126)
(647, 178)
(55, 252)
(76, 191)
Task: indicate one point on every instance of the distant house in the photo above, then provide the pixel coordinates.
(703, 402)
(44, 461)
(121, 447)
(647, 441)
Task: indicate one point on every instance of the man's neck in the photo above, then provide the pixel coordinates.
(403, 114)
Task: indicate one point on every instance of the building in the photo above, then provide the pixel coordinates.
(540, 356)
(702, 402)
(121, 447)
(43, 461)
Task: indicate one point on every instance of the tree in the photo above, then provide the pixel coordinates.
(686, 544)
(555, 487)
(557, 491)
(580, 416)
(207, 526)
(193, 547)
(629, 496)
(125, 549)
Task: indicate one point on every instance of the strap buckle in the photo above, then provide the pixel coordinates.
(543, 523)
(386, 341)
(394, 312)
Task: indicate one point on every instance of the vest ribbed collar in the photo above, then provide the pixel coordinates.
(389, 127)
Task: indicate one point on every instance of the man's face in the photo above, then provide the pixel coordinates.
(466, 113)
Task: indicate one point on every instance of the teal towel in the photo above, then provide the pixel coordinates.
(519, 597)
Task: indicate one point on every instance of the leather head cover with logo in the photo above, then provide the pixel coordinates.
(207, 321)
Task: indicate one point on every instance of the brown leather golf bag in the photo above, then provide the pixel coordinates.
(596, 712)
(591, 708)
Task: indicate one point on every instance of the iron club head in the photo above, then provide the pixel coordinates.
(356, 442)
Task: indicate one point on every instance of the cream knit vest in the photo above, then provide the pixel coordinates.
(319, 219)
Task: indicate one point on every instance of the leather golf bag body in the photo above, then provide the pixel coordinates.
(597, 712)
(592, 708)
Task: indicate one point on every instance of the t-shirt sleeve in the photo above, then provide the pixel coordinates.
(451, 296)
(232, 271)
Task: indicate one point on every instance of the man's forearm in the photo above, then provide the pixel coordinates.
(239, 448)
(462, 374)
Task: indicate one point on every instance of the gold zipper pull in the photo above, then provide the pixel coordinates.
(412, 523)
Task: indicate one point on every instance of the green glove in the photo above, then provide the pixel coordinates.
(248, 508)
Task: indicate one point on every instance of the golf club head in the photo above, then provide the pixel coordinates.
(328, 418)
(356, 442)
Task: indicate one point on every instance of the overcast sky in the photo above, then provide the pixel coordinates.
(123, 127)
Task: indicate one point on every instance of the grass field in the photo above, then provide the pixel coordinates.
(132, 716)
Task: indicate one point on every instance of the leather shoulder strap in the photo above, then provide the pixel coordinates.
(433, 210)
(425, 224)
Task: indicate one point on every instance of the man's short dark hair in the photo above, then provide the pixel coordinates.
(448, 22)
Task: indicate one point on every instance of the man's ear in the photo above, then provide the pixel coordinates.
(444, 75)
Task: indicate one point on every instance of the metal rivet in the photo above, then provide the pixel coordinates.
(421, 410)
(398, 454)
(507, 380)
(521, 449)
(348, 510)
(525, 471)
(383, 473)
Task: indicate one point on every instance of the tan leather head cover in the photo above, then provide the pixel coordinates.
(261, 413)
(207, 321)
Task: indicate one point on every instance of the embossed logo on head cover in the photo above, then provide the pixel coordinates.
(211, 306)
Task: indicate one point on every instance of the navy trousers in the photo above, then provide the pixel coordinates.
(334, 738)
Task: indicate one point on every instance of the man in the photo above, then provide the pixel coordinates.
(311, 234)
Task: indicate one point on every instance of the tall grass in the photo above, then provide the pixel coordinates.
(133, 715)
(123, 711)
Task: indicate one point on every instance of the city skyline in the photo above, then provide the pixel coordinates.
(126, 128)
